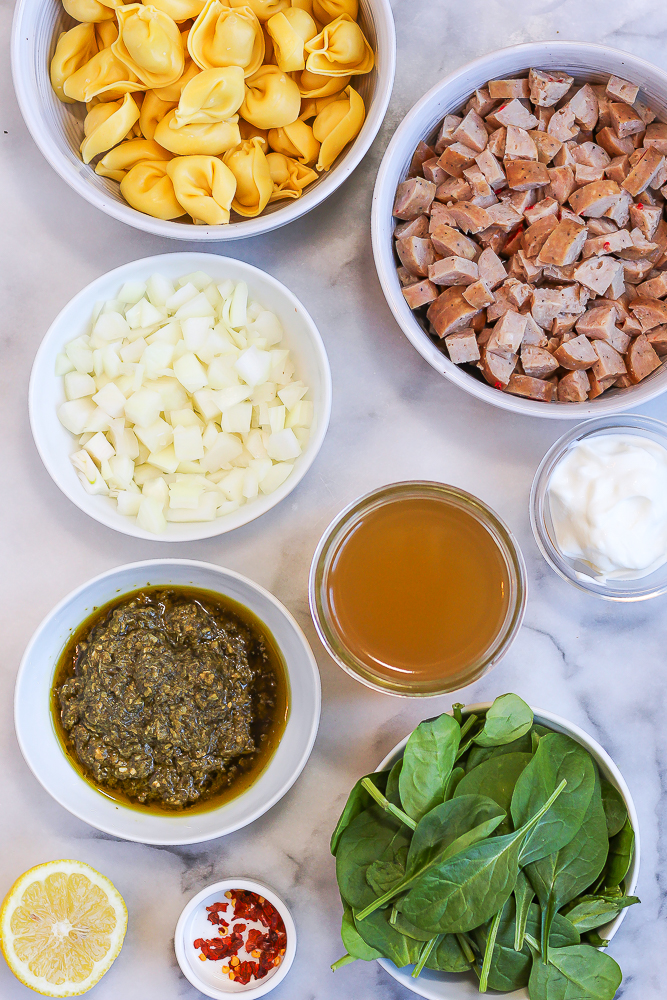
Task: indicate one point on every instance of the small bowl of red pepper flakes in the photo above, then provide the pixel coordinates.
(236, 936)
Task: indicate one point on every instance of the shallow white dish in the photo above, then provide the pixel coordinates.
(55, 443)
(584, 61)
(444, 986)
(44, 755)
(57, 128)
(206, 976)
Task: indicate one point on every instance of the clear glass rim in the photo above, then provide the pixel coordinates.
(336, 531)
(625, 591)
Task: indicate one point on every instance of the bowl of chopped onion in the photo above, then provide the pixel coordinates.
(180, 396)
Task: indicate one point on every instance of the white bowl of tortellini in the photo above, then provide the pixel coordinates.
(204, 119)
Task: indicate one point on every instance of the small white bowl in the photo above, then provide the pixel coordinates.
(55, 443)
(207, 977)
(444, 986)
(42, 749)
(57, 128)
(586, 62)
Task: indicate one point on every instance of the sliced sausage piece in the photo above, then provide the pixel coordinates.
(462, 347)
(519, 145)
(479, 184)
(643, 172)
(414, 227)
(534, 334)
(497, 142)
(596, 388)
(537, 362)
(596, 273)
(654, 288)
(610, 142)
(641, 359)
(621, 90)
(584, 105)
(598, 323)
(405, 277)
(624, 120)
(658, 340)
(421, 293)
(656, 137)
(564, 244)
(507, 89)
(598, 246)
(471, 132)
(573, 387)
(496, 368)
(594, 199)
(619, 210)
(451, 243)
(416, 254)
(491, 269)
(525, 175)
(422, 153)
(577, 354)
(547, 88)
(649, 312)
(450, 312)
(547, 146)
(453, 271)
(562, 125)
(536, 235)
(561, 183)
(590, 154)
(479, 295)
(482, 102)
(515, 113)
(508, 332)
(432, 172)
(413, 198)
(531, 388)
(453, 189)
(586, 175)
(609, 362)
(618, 169)
(505, 216)
(492, 170)
(456, 157)
(547, 206)
(470, 218)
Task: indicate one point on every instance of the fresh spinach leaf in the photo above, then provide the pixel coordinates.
(478, 755)
(508, 719)
(427, 764)
(357, 801)
(391, 790)
(615, 809)
(453, 782)
(523, 897)
(447, 956)
(353, 941)
(557, 757)
(360, 844)
(496, 779)
(377, 932)
(621, 850)
(575, 973)
(591, 912)
(389, 868)
(398, 921)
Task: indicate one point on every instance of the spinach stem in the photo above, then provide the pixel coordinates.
(387, 805)
(424, 954)
(345, 960)
(468, 724)
(488, 951)
(465, 948)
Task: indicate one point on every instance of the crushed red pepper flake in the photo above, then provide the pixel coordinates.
(268, 947)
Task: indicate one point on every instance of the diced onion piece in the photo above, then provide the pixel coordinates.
(206, 510)
(276, 418)
(283, 446)
(221, 374)
(99, 448)
(198, 278)
(156, 357)
(210, 435)
(236, 419)
(302, 434)
(144, 473)
(111, 400)
(184, 494)
(75, 414)
(180, 297)
(300, 415)
(232, 395)
(132, 353)
(157, 489)
(88, 473)
(99, 421)
(172, 393)
(143, 407)
(275, 477)
(128, 503)
(63, 365)
(195, 331)
(188, 443)
(157, 436)
(123, 439)
(292, 393)
(206, 402)
(170, 333)
(78, 385)
(232, 485)
(121, 472)
(238, 307)
(195, 307)
(250, 484)
(190, 372)
(226, 288)
(111, 360)
(159, 289)
(164, 460)
(268, 326)
(226, 449)
(132, 291)
(256, 444)
(185, 417)
(150, 515)
(254, 366)
(264, 393)
(81, 357)
(111, 326)
(261, 467)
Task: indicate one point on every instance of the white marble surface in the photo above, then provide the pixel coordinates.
(394, 418)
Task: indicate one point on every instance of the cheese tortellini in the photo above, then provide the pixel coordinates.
(205, 108)
(204, 186)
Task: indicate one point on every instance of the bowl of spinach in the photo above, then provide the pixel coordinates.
(495, 849)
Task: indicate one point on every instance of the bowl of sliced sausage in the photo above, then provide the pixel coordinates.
(519, 229)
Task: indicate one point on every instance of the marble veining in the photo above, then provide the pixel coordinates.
(394, 418)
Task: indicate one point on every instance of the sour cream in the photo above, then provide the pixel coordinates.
(608, 499)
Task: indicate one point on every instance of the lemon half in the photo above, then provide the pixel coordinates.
(62, 926)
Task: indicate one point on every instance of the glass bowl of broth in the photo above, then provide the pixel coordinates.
(417, 589)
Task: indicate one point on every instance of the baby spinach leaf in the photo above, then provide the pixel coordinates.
(615, 809)
(391, 790)
(496, 779)
(398, 921)
(447, 956)
(353, 941)
(591, 912)
(453, 782)
(377, 932)
(427, 763)
(389, 868)
(621, 850)
(357, 801)
(478, 755)
(360, 844)
(557, 757)
(523, 896)
(562, 876)
(466, 890)
(575, 973)
(507, 720)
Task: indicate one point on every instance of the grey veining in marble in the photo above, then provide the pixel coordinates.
(394, 418)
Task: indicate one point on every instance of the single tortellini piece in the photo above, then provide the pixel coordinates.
(74, 49)
(249, 131)
(89, 11)
(106, 129)
(224, 37)
(120, 159)
(254, 186)
(311, 107)
(214, 95)
(174, 90)
(264, 9)
(272, 99)
(106, 33)
(289, 31)
(289, 177)
(295, 140)
(204, 186)
(191, 140)
(103, 74)
(148, 188)
(327, 11)
(150, 44)
(337, 125)
(304, 5)
(313, 86)
(341, 49)
(180, 10)
(153, 110)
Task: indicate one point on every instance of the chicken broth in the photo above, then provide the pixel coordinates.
(418, 590)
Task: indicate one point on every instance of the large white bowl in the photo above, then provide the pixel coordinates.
(57, 128)
(43, 751)
(584, 61)
(444, 986)
(55, 444)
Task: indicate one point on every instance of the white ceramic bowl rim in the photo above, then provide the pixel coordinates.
(99, 507)
(27, 92)
(558, 724)
(112, 825)
(219, 888)
(501, 62)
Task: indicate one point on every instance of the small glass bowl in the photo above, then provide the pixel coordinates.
(346, 522)
(541, 521)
